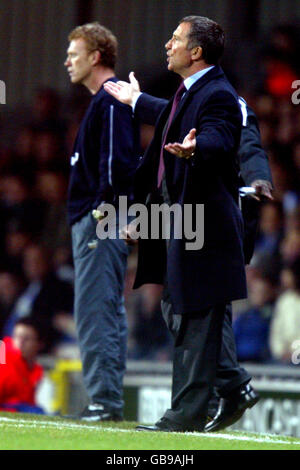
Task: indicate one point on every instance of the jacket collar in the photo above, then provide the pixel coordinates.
(215, 72)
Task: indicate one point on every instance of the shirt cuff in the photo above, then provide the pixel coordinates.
(134, 101)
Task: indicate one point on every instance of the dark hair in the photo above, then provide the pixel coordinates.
(208, 34)
(34, 324)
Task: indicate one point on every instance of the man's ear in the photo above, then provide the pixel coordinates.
(197, 53)
(96, 57)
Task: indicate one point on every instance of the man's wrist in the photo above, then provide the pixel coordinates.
(134, 100)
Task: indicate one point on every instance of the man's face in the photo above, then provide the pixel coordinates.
(35, 264)
(26, 340)
(79, 61)
(179, 57)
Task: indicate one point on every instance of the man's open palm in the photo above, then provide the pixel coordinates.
(124, 91)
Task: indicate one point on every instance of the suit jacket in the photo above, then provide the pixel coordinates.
(253, 161)
(215, 273)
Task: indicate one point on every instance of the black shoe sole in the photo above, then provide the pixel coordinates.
(156, 429)
(168, 428)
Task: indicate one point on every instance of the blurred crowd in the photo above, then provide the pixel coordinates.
(36, 269)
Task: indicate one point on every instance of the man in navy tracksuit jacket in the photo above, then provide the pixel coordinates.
(104, 159)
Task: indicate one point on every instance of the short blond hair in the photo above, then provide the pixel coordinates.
(98, 38)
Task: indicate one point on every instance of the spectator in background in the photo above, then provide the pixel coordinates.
(290, 246)
(281, 60)
(285, 326)
(17, 238)
(5, 160)
(48, 152)
(270, 228)
(10, 286)
(292, 220)
(295, 150)
(19, 206)
(22, 160)
(267, 126)
(282, 178)
(45, 298)
(62, 262)
(21, 374)
(45, 112)
(251, 328)
(286, 129)
(52, 189)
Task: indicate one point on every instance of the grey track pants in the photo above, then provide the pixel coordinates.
(100, 313)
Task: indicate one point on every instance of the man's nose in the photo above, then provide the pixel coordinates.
(168, 44)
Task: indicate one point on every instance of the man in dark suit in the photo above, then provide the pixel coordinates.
(232, 392)
(203, 169)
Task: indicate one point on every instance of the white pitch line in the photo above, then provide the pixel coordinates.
(22, 423)
(43, 424)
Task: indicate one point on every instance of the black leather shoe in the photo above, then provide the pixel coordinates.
(232, 408)
(166, 425)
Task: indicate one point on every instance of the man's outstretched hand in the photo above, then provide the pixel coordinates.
(125, 92)
(186, 149)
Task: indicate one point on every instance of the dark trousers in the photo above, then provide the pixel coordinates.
(197, 345)
(230, 375)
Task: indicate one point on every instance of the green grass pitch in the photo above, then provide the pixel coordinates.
(36, 432)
